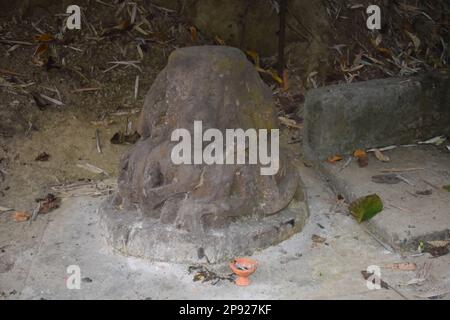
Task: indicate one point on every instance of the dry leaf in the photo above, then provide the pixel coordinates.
(201, 181)
(414, 39)
(403, 266)
(41, 49)
(383, 149)
(360, 153)
(275, 76)
(194, 33)
(57, 102)
(289, 122)
(334, 159)
(4, 209)
(436, 141)
(140, 52)
(91, 168)
(376, 42)
(272, 73)
(254, 55)
(219, 41)
(43, 156)
(21, 216)
(437, 251)
(380, 156)
(47, 37)
(385, 51)
(123, 25)
(439, 243)
(352, 69)
(49, 203)
(318, 239)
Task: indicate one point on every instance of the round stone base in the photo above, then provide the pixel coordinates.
(131, 233)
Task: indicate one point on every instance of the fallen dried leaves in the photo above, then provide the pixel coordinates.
(402, 266)
(194, 33)
(359, 153)
(203, 274)
(318, 239)
(49, 203)
(21, 216)
(47, 37)
(91, 168)
(289, 122)
(4, 209)
(43, 156)
(334, 159)
(380, 156)
(437, 248)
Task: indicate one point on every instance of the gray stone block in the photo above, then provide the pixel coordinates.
(342, 118)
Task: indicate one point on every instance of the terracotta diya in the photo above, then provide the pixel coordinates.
(243, 268)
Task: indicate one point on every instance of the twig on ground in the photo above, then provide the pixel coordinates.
(25, 43)
(126, 63)
(136, 88)
(97, 140)
(35, 212)
(86, 89)
(393, 170)
(346, 164)
(57, 102)
(11, 73)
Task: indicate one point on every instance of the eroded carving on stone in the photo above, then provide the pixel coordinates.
(218, 86)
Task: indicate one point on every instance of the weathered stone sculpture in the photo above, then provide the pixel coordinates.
(185, 212)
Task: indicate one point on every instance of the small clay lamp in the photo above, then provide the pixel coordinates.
(243, 268)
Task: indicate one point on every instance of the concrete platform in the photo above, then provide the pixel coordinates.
(408, 217)
(34, 259)
(129, 233)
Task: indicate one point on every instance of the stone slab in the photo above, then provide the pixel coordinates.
(407, 217)
(342, 118)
